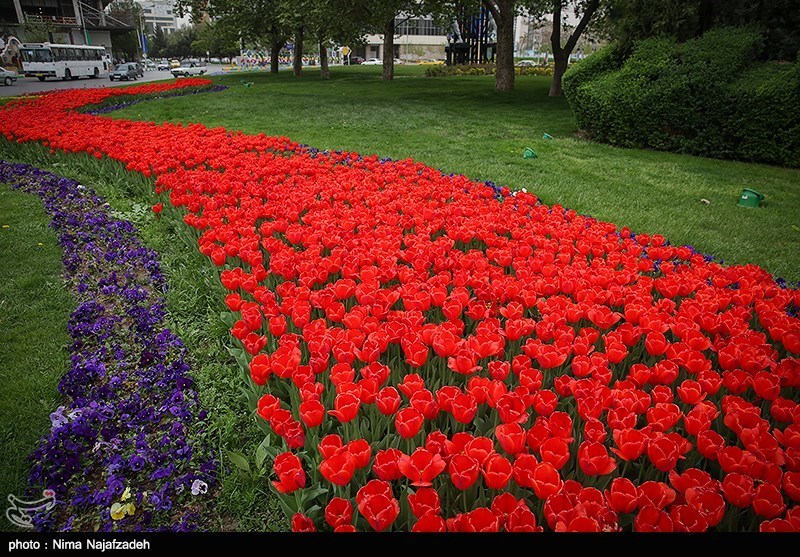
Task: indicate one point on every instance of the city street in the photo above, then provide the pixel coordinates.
(25, 85)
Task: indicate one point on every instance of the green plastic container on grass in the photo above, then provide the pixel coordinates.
(750, 199)
(529, 153)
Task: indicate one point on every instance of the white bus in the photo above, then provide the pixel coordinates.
(65, 61)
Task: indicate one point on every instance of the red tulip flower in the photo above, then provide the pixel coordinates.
(555, 451)
(289, 469)
(386, 464)
(312, 412)
(768, 501)
(388, 401)
(546, 480)
(361, 451)
(430, 523)
(377, 504)
(345, 407)
(302, 523)
(622, 497)
(408, 422)
(651, 519)
(594, 459)
(421, 467)
(496, 471)
(663, 452)
(424, 501)
(738, 489)
(339, 512)
(339, 468)
(464, 471)
(511, 437)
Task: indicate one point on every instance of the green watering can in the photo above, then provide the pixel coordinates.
(529, 153)
(750, 198)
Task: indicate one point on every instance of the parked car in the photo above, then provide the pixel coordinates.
(174, 63)
(372, 62)
(525, 64)
(163, 66)
(354, 60)
(189, 68)
(149, 65)
(139, 69)
(124, 71)
(8, 77)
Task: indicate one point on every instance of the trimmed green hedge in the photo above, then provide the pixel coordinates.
(441, 70)
(708, 96)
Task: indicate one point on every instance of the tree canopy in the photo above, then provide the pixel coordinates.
(629, 21)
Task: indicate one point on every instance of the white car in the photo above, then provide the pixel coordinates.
(373, 62)
(189, 68)
(163, 66)
(7, 77)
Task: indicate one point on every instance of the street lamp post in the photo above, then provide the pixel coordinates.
(141, 28)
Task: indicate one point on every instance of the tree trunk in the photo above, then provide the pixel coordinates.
(388, 50)
(561, 53)
(275, 52)
(561, 61)
(323, 59)
(504, 19)
(298, 52)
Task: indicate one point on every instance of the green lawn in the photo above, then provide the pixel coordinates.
(34, 308)
(461, 125)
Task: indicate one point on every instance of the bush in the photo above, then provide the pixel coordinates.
(707, 96)
(604, 60)
(483, 69)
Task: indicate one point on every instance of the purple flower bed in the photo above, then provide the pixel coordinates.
(116, 105)
(122, 452)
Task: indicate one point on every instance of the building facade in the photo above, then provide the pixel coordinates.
(158, 14)
(60, 21)
(417, 38)
(421, 39)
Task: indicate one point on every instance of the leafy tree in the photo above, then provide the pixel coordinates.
(38, 31)
(256, 22)
(564, 45)
(629, 21)
(125, 46)
(339, 21)
(179, 43)
(216, 40)
(126, 11)
(157, 43)
(379, 16)
(503, 12)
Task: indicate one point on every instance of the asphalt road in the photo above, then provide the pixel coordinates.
(25, 85)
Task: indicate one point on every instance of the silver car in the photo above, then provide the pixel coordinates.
(8, 77)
